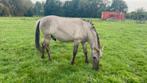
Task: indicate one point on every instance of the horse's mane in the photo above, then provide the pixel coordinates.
(89, 21)
(93, 28)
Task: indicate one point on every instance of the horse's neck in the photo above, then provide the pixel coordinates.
(93, 39)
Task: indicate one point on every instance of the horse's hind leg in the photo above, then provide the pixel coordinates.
(45, 46)
(75, 49)
(48, 51)
(85, 51)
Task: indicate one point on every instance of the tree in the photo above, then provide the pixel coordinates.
(118, 5)
(52, 7)
(71, 8)
(29, 12)
(67, 9)
(75, 8)
(4, 11)
(16, 7)
(5, 8)
(140, 15)
(83, 8)
(38, 9)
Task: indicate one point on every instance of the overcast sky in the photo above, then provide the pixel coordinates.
(132, 4)
(135, 4)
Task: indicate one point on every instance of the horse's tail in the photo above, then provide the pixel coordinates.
(37, 37)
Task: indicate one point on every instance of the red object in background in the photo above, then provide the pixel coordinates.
(112, 15)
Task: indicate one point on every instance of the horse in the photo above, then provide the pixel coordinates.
(68, 29)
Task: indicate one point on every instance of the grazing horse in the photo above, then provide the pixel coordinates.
(66, 29)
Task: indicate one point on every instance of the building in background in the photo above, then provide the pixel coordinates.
(107, 15)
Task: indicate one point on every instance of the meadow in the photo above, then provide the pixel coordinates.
(124, 57)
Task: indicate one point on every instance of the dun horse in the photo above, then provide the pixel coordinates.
(73, 30)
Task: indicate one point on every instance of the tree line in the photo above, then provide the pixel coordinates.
(70, 8)
(14, 7)
(140, 15)
(82, 8)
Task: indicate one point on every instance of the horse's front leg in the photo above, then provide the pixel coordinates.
(85, 52)
(75, 49)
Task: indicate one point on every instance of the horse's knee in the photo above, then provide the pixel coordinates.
(45, 44)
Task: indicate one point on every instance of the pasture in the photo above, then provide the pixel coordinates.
(124, 57)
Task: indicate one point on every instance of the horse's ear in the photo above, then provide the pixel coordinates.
(102, 48)
(98, 50)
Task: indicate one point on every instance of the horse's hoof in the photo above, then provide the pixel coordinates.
(86, 62)
(96, 69)
(49, 59)
(72, 63)
(42, 57)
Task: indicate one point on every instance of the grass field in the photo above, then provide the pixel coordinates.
(124, 58)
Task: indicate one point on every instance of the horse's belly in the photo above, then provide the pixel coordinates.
(69, 33)
(64, 37)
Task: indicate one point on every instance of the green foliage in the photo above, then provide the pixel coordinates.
(5, 8)
(83, 8)
(124, 57)
(118, 5)
(29, 12)
(71, 8)
(16, 7)
(140, 15)
(38, 9)
(52, 7)
(74, 8)
(4, 11)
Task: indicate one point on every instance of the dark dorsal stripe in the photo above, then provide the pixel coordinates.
(90, 23)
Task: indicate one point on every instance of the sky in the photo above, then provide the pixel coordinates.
(135, 4)
(132, 4)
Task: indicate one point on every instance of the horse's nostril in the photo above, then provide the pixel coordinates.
(94, 57)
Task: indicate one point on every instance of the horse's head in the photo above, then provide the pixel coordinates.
(95, 45)
(97, 53)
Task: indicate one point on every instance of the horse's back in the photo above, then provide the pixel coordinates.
(64, 28)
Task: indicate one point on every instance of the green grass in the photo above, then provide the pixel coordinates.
(124, 58)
